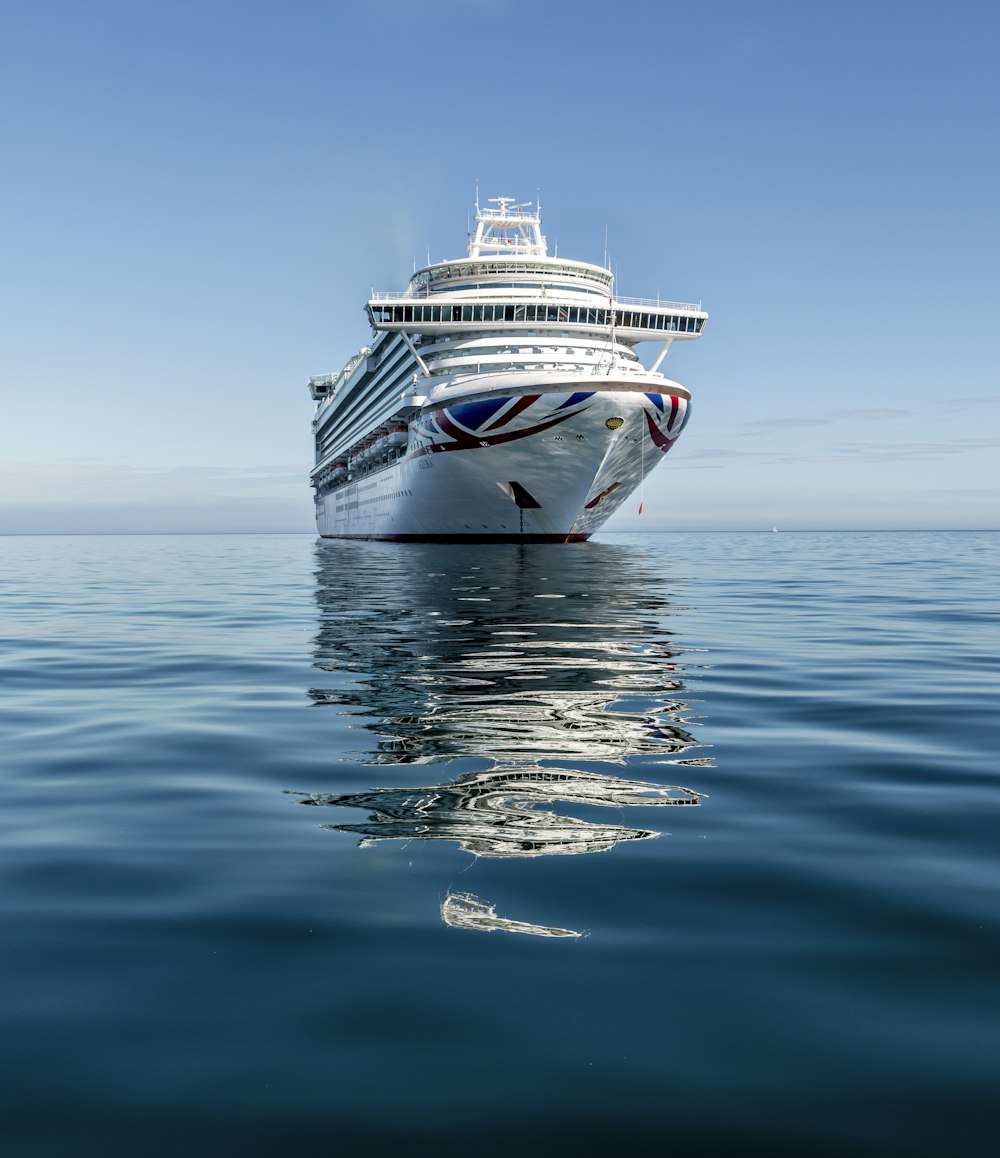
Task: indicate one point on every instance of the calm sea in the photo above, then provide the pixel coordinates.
(668, 843)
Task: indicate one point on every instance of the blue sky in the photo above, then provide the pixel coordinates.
(198, 196)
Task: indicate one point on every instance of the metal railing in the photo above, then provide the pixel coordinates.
(658, 303)
(331, 381)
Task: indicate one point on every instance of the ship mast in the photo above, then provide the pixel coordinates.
(509, 228)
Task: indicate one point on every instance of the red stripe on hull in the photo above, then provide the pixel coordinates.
(521, 404)
(662, 442)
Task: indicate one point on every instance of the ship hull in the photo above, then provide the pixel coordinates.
(521, 466)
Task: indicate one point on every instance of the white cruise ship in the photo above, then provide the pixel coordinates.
(501, 398)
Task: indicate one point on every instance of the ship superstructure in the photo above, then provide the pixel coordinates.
(501, 397)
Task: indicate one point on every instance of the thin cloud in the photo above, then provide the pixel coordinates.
(74, 498)
(864, 415)
(727, 453)
(870, 415)
(770, 423)
(888, 452)
(30, 484)
(976, 400)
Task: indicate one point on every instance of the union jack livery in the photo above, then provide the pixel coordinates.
(500, 399)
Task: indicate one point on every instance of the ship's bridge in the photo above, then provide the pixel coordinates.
(508, 251)
(633, 319)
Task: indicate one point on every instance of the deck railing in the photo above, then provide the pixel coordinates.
(656, 303)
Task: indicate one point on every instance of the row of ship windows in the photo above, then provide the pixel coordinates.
(573, 315)
(477, 352)
(353, 504)
(546, 270)
(552, 287)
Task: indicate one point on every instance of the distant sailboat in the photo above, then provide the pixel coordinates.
(775, 529)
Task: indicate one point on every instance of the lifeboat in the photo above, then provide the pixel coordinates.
(397, 434)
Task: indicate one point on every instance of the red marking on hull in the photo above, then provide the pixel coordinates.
(469, 443)
(521, 404)
(674, 403)
(657, 435)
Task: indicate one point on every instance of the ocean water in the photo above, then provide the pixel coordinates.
(672, 843)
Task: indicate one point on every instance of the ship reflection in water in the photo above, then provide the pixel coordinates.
(465, 911)
(510, 656)
(495, 813)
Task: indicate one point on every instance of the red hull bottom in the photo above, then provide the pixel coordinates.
(467, 538)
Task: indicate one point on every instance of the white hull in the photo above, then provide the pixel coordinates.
(566, 451)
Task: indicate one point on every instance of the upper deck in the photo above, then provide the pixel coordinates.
(508, 281)
(508, 271)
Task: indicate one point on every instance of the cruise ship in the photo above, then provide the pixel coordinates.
(501, 398)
